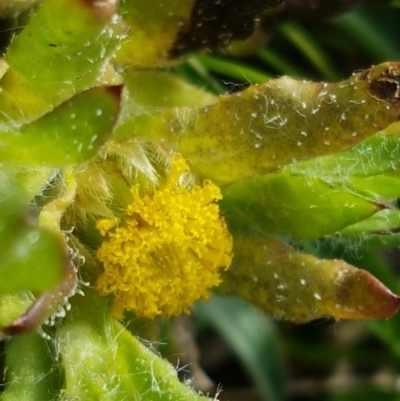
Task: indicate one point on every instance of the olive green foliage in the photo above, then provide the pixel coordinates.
(307, 170)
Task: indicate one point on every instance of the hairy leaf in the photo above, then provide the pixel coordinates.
(154, 26)
(297, 206)
(63, 50)
(102, 360)
(374, 156)
(70, 134)
(31, 373)
(146, 90)
(355, 192)
(268, 126)
(292, 285)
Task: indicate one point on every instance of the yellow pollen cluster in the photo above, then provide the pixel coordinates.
(168, 252)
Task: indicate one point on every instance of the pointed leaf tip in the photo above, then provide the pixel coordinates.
(115, 90)
(292, 285)
(361, 296)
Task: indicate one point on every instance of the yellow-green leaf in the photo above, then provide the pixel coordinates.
(292, 285)
(297, 206)
(70, 134)
(32, 257)
(270, 125)
(375, 155)
(154, 27)
(31, 373)
(103, 361)
(63, 50)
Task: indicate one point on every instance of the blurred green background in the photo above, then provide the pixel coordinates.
(256, 358)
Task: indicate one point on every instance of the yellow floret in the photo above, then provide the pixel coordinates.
(168, 252)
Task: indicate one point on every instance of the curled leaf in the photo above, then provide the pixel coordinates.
(36, 258)
(282, 121)
(45, 304)
(292, 285)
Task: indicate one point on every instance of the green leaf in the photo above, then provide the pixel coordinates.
(32, 257)
(353, 192)
(63, 50)
(31, 373)
(253, 338)
(311, 49)
(376, 155)
(102, 360)
(34, 260)
(384, 222)
(70, 134)
(297, 206)
(233, 69)
(155, 88)
(279, 122)
(12, 306)
(154, 27)
(292, 285)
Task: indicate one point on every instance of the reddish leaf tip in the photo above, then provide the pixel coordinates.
(44, 305)
(115, 90)
(362, 296)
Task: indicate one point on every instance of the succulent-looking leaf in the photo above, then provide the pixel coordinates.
(49, 298)
(65, 136)
(13, 306)
(380, 230)
(344, 192)
(301, 207)
(45, 305)
(267, 126)
(62, 51)
(102, 360)
(374, 156)
(32, 181)
(369, 171)
(291, 285)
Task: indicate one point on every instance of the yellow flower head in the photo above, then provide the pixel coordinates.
(168, 252)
